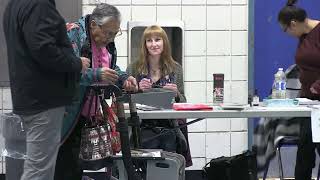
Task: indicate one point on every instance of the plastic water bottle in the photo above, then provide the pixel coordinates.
(279, 85)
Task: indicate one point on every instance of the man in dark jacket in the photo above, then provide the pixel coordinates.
(44, 74)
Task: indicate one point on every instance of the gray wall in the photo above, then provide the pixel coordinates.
(4, 79)
(71, 10)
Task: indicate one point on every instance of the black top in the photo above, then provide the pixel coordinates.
(43, 68)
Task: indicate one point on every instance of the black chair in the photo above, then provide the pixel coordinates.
(285, 140)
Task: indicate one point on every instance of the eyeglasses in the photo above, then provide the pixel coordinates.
(285, 27)
(110, 33)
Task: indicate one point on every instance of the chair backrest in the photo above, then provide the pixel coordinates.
(293, 82)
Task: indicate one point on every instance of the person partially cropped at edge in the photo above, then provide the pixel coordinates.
(295, 22)
(44, 75)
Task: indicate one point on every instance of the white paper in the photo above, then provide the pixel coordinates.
(234, 106)
(306, 101)
(315, 123)
(144, 153)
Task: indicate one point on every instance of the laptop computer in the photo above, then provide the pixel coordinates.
(156, 97)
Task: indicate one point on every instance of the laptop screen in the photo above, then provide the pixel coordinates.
(157, 97)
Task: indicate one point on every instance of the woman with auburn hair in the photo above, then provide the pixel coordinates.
(156, 68)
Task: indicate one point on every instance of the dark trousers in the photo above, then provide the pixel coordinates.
(167, 141)
(306, 156)
(68, 165)
(14, 166)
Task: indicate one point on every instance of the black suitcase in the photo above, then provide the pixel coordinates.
(239, 167)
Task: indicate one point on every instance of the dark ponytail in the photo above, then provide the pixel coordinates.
(291, 12)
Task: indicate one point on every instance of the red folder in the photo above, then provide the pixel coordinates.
(190, 106)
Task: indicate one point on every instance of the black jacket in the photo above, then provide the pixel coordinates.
(43, 68)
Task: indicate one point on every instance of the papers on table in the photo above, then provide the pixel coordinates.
(306, 101)
(234, 106)
(144, 153)
(315, 117)
(315, 123)
(147, 108)
(142, 107)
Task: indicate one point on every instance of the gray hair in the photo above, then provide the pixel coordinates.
(103, 12)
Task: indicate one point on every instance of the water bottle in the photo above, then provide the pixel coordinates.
(279, 85)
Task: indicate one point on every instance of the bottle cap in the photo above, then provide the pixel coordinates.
(280, 69)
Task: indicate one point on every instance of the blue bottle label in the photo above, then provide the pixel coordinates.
(281, 86)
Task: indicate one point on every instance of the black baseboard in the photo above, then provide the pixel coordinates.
(2, 176)
(190, 175)
(194, 175)
(96, 175)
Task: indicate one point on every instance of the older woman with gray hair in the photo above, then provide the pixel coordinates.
(92, 37)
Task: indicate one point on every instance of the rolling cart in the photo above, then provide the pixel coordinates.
(169, 166)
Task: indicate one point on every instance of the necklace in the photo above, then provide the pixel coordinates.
(154, 71)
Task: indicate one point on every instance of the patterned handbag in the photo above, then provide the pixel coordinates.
(95, 143)
(95, 136)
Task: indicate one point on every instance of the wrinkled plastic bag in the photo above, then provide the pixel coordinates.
(14, 136)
